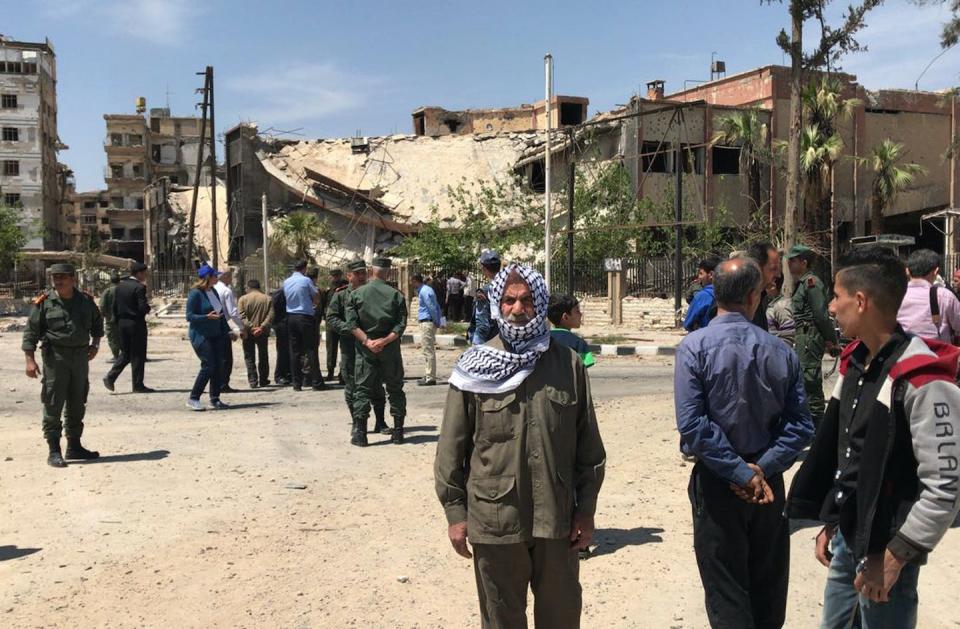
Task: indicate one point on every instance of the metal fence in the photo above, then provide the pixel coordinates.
(655, 277)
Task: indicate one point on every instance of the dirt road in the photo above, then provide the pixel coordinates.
(264, 516)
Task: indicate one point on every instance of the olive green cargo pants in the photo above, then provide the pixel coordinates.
(810, 347)
(64, 390)
(372, 373)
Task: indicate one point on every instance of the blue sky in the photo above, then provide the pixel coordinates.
(331, 68)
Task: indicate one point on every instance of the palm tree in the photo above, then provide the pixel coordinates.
(744, 128)
(890, 177)
(298, 232)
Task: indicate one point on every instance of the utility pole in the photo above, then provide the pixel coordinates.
(196, 179)
(548, 71)
(213, 173)
(266, 266)
(678, 218)
(571, 173)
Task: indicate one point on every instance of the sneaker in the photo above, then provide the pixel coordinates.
(194, 404)
(217, 405)
(426, 382)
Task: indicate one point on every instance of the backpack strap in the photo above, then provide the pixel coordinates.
(934, 306)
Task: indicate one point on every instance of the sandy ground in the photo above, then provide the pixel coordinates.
(264, 516)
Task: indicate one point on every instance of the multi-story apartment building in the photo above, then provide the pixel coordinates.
(30, 178)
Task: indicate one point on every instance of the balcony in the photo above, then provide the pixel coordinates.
(123, 173)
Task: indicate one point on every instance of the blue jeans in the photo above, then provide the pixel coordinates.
(840, 597)
(210, 352)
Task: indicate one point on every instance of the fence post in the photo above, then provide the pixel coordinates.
(615, 285)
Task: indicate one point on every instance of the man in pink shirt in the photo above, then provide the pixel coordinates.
(916, 314)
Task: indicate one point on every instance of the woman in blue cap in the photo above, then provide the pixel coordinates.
(209, 334)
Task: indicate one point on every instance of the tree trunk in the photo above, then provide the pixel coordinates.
(876, 214)
(793, 195)
(755, 192)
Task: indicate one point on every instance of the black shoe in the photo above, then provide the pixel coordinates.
(283, 382)
(297, 387)
(55, 459)
(144, 390)
(396, 435)
(330, 376)
(264, 383)
(107, 383)
(320, 387)
(217, 405)
(382, 428)
(254, 385)
(76, 451)
(340, 380)
(227, 389)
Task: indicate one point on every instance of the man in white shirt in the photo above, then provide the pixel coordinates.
(234, 320)
(455, 298)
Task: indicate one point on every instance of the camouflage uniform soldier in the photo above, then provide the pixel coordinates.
(814, 330)
(336, 318)
(377, 317)
(67, 325)
(107, 301)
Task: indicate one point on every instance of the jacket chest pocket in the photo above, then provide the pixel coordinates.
(57, 321)
(498, 416)
(559, 408)
(494, 507)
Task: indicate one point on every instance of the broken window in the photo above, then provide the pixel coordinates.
(29, 68)
(726, 160)
(117, 233)
(174, 179)
(155, 152)
(11, 167)
(89, 205)
(11, 199)
(117, 202)
(104, 220)
(453, 124)
(136, 233)
(104, 203)
(571, 114)
(138, 170)
(116, 139)
(692, 159)
(14, 67)
(654, 157)
(11, 134)
(8, 101)
(135, 139)
(116, 171)
(90, 220)
(138, 201)
(538, 177)
(155, 125)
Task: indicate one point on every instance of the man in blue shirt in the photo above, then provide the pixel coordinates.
(301, 295)
(483, 322)
(428, 314)
(703, 307)
(742, 411)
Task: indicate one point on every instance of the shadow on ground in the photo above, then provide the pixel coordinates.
(12, 552)
(609, 541)
(153, 455)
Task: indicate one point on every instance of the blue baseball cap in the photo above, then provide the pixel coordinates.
(489, 257)
(206, 271)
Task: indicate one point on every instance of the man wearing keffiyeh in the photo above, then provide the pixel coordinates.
(520, 461)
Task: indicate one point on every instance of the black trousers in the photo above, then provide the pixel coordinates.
(133, 350)
(332, 340)
(455, 307)
(303, 340)
(743, 553)
(226, 365)
(282, 370)
(257, 375)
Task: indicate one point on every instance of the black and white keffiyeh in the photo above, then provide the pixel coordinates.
(484, 369)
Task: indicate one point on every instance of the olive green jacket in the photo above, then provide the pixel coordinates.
(810, 306)
(107, 301)
(336, 315)
(378, 309)
(60, 323)
(517, 465)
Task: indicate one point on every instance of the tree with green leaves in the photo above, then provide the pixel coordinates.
(298, 233)
(890, 177)
(834, 43)
(744, 129)
(12, 237)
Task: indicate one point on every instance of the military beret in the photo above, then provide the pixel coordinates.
(382, 263)
(62, 268)
(136, 267)
(797, 250)
(357, 265)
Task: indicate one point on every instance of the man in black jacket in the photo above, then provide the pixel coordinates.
(882, 471)
(281, 372)
(131, 308)
(767, 258)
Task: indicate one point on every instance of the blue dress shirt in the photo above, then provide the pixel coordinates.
(428, 308)
(739, 395)
(299, 291)
(701, 309)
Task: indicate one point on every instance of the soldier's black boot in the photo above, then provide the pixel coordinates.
(381, 425)
(55, 459)
(397, 435)
(76, 451)
(359, 433)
